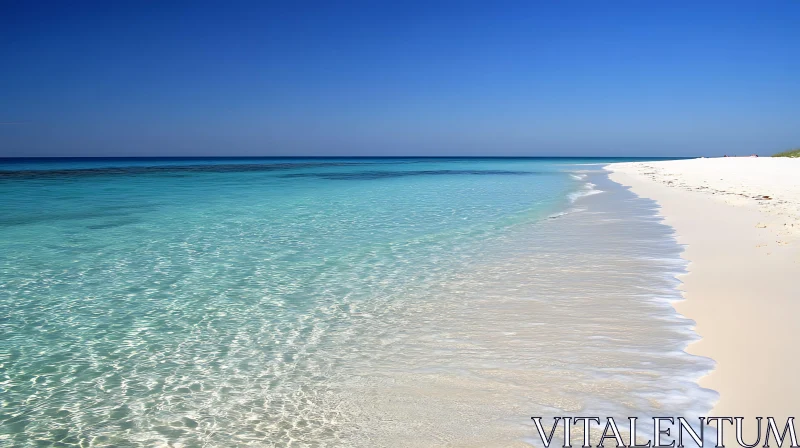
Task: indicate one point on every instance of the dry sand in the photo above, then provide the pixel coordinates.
(743, 284)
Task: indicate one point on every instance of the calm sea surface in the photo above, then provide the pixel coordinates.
(331, 302)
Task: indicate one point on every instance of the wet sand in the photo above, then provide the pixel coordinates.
(740, 221)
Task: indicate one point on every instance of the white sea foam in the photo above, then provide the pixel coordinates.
(587, 190)
(566, 212)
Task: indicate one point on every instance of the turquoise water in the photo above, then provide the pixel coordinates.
(232, 302)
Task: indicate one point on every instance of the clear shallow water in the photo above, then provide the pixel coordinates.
(340, 302)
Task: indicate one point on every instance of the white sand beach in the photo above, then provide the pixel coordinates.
(740, 221)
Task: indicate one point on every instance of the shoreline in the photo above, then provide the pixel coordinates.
(741, 287)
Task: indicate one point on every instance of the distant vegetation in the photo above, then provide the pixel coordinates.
(790, 153)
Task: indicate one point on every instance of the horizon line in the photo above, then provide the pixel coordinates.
(347, 157)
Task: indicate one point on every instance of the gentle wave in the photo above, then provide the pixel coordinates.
(587, 190)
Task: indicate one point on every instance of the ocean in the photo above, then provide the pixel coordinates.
(367, 302)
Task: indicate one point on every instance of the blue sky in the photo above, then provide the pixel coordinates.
(399, 78)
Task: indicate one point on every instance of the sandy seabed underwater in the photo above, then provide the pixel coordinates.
(331, 302)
